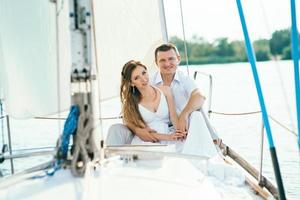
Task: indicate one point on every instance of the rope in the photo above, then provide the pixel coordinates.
(69, 129)
(283, 126)
(184, 39)
(243, 113)
(277, 67)
(57, 40)
(85, 146)
(63, 146)
(256, 112)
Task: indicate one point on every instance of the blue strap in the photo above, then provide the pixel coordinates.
(69, 129)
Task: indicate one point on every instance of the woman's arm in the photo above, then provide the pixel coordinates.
(171, 105)
(144, 133)
(170, 137)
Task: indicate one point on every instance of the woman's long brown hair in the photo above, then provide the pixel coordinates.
(130, 96)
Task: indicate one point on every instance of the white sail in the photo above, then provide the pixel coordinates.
(125, 30)
(28, 68)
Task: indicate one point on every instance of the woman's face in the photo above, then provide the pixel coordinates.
(139, 77)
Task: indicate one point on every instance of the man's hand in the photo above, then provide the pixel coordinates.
(180, 135)
(173, 136)
(183, 122)
(146, 134)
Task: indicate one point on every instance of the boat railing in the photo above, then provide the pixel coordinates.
(209, 76)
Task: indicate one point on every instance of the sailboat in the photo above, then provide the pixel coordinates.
(41, 43)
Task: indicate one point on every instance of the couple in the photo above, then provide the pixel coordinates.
(163, 110)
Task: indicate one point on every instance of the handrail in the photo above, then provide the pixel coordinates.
(135, 150)
(30, 154)
(64, 118)
(210, 87)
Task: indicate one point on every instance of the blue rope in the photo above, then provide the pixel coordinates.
(69, 129)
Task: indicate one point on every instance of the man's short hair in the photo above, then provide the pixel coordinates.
(166, 47)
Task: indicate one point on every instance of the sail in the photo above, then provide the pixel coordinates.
(35, 63)
(125, 30)
(29, 67)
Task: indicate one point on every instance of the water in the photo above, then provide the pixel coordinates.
(233, 92)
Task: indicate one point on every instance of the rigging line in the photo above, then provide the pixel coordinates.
(58, 65)
(284, 93)
(243, 113)
(283, 126)
(97, 75)
(265, 16)
(256, 112)
(277, 67)
(184, 39)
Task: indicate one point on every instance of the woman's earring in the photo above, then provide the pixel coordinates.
(133, 89)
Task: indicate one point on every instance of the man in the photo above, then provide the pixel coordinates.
(186, 95)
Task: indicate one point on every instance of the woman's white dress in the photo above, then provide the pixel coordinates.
(198, 141)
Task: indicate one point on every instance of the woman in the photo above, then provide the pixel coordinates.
(147, 106)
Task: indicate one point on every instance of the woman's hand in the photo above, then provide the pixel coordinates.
(174, 136)
(147, 134)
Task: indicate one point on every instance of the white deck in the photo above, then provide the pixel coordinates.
(169, 178)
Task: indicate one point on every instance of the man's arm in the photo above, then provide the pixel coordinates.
(195, 102)
(145, 134)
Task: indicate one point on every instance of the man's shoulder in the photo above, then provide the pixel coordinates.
(182, 76)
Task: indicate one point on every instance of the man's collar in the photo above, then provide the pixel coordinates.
(158, 78)
(176, 77)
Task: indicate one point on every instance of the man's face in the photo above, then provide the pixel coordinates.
(167, 61)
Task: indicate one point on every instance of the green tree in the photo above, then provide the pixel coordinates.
(286, 53)
(280, 39)
(224, 48)
(262, 49)
(239, 51)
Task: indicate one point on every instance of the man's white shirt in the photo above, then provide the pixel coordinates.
(182, 86)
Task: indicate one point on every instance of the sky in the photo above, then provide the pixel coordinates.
(213, 19)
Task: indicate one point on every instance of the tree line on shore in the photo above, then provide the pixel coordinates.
(222, 50)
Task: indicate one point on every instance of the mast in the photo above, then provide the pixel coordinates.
(252, 60)
(82, 80)
(295, 56)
